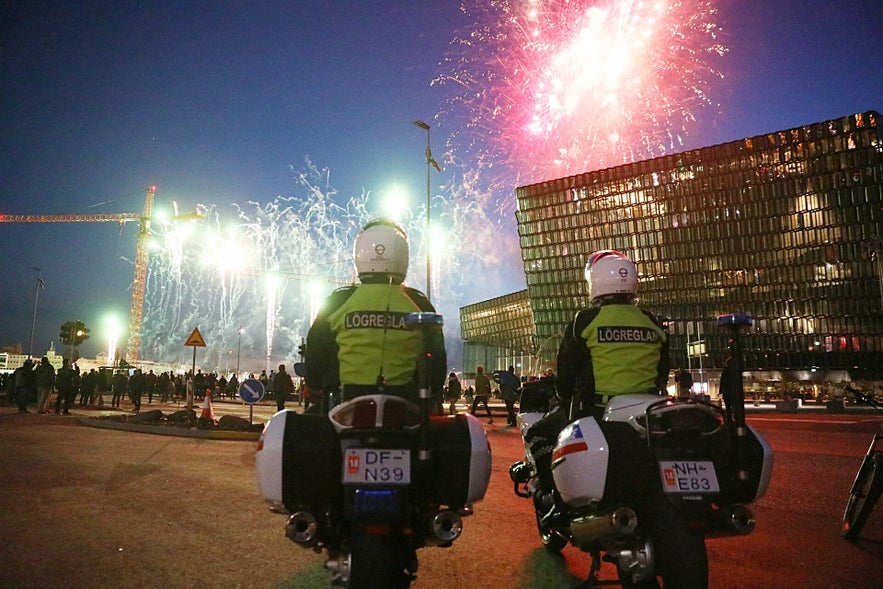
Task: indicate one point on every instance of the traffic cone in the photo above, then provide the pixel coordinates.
(208, 411)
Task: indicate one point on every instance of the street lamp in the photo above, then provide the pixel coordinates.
(430, 163)
(37, 288)
(238, 350)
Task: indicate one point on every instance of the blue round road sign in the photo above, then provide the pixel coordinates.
(251, 391)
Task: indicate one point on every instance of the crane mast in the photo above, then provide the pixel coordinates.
(136, 307)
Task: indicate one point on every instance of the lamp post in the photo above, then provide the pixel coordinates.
(238, 350)
(37, 288)
(430, 163)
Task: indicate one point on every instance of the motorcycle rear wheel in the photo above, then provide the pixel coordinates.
(866, 492)
(377, 562)
(681, 558)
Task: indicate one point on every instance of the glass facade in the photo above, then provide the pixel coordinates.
(498, 333)
(784, 226)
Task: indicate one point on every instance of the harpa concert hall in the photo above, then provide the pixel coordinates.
(784, 226)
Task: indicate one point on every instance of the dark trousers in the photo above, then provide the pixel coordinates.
(64, 400)
(21, 398)
(510, 410)
(483, 400)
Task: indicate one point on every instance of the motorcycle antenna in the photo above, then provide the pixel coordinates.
(380, 378)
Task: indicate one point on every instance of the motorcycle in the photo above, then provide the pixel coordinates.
(646, 484)
(375, 479)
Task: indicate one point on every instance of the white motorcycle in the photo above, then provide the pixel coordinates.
(374, 480)
(649, 482)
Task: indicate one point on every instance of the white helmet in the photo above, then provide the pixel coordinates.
(381, 252)
(610, 272)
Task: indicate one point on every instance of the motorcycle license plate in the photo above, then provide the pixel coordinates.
(374, 466)
(688, 476)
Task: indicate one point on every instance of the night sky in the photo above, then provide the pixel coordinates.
(224, 102)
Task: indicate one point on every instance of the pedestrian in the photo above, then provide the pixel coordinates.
(453, 390)
(222, 386)
(510, 385)
(103, 384)
(87, 386)
(119, 385)
(162, 386)
(66, 383)
(44, 376)
(233, 387)
(359, 343)
(482, 392)
(197, 391)
(306, 395)
(24, 385)
(150, 385)
(611, 348)
(137, 386)
(684, 380)
(283, 386)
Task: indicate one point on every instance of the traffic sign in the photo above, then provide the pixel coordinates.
(195, 339)
(251, 391)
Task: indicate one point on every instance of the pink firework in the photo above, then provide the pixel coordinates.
(551, 88)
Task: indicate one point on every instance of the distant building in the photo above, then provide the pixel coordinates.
(500, 333)
(9, 362)
(784, 226)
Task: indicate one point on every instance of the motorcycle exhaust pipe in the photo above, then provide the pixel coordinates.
(736, 520)
(302, 528)
(444, 527)
(589, 529)
(740, 520)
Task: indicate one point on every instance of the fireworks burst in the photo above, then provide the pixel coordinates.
(267, 268)
(552, 88)
(263, 268)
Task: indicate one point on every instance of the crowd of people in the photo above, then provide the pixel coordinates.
(39, 383)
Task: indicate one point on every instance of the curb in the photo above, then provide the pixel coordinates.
(170, 431)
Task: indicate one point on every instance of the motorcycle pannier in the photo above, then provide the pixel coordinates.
(461, 460)
(311, 462)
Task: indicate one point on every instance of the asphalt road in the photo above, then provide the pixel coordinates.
(86, 507)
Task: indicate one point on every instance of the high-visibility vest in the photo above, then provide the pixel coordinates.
(625, 345)
(372, 337)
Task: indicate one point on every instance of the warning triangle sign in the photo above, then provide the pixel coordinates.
(195, 339)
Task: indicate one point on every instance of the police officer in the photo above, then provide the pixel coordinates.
(612, 348)
(359, 343)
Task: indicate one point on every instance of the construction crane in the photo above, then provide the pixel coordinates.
(136, 307)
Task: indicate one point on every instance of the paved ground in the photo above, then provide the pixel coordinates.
(82, 507)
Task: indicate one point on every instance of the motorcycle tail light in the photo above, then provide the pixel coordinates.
(359, 413)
